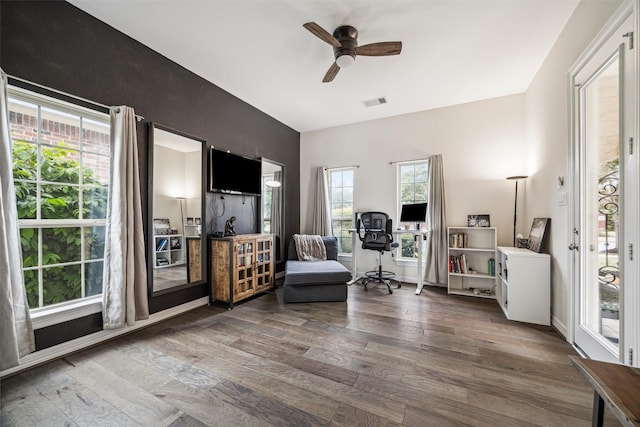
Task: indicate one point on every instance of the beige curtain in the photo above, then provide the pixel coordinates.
(321, 209)
(125, 271)
(436, 267)
(16, 330)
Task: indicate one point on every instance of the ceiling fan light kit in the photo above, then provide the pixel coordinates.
(345, 61)
(345, 47)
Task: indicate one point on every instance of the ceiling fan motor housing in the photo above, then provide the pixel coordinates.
(348, 38)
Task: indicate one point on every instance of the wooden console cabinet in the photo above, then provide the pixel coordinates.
(241, 266)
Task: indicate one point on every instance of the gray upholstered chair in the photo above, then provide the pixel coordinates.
(315, 281)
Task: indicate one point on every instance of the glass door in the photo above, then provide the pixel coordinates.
(598, 222)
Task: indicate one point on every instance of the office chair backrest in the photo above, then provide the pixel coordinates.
(377, 230)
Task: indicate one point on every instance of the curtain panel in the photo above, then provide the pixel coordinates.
(436, 263)
(321, 210)
(16, 330)
(125, 271)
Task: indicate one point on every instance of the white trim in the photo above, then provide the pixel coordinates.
(61, 350)
(58, 104)
(607, 31)
(560, 327)
(47, 316)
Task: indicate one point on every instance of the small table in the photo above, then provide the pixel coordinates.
(618, 384)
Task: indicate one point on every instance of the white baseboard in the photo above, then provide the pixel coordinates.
(559, 326)
(61, 350)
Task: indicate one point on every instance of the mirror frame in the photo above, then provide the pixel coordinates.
(282, 245)
(149, 237)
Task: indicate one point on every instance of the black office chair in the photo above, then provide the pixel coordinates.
(377, 237)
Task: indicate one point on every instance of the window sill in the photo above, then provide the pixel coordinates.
(406, 262)
(63, 313)
(345, 257)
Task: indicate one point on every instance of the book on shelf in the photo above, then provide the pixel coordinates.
(458, 240)
(458, 264)
(491, 265)
(162, 261)
(162, 245)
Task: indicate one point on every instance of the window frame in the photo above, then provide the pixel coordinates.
(265, 214)
(46, 315)
(399, 257)
(330, 171)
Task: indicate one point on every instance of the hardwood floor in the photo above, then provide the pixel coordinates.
(377, 360)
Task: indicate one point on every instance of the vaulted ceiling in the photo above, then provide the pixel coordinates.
(454, 51)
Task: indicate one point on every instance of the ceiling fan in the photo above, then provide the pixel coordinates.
(345, 47)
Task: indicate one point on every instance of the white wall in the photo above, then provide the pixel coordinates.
(176, 174)
(548, 141)
(481, 143)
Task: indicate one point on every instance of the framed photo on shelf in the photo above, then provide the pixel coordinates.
(538, 234)
(478, 220)
(189, 220)
(197, 221)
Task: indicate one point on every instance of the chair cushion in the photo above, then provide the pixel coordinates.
(315, 272)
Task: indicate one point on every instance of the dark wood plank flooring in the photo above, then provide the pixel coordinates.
(377, 360)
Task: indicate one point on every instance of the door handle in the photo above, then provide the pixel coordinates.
(573, 247)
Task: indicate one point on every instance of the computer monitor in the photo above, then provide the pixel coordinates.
(415, 212)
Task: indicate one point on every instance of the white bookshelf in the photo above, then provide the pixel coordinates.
(524, 291)
(170, 254)
(469, 255)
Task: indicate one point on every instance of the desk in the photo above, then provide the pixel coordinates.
(420, 272)
(618, 384)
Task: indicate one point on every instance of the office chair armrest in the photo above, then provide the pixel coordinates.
(389, 229)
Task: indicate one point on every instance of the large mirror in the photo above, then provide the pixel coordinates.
(272, 207)
(176, 189)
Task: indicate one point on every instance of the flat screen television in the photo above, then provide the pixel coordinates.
(415, 212)
(234, 174)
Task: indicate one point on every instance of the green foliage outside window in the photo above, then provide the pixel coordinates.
(341, 182)
(59, 199)
(413, 189)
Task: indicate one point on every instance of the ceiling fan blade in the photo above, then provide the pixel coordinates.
(380, 49)
(332, 72)
(322, 34)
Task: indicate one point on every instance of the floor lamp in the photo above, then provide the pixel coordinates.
(516, 178)
(182, 199)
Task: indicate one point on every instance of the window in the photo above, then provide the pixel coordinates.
(61, 164)
(341, 186)
(266, 203)
(412, 188)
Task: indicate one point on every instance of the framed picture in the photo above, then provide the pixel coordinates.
(197, 221)
(538, 234)
(189, 220)
(478, 220)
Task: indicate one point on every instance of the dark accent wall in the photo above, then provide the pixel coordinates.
(53, 43)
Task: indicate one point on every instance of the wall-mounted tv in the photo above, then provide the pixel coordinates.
(231, 173)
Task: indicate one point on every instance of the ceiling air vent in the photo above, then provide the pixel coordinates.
(375, 101)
